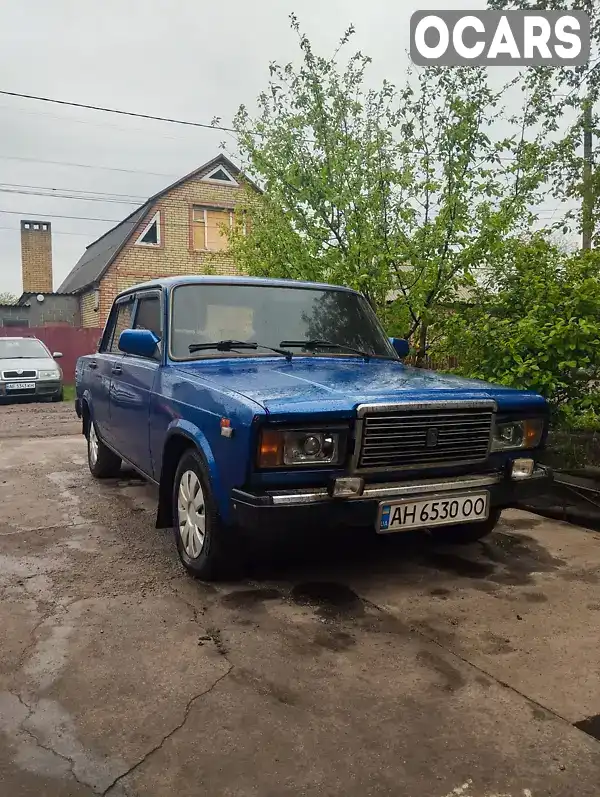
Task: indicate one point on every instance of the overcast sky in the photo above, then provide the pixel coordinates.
(176, 58)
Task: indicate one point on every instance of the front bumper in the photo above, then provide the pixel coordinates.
(43, 388)
(315, 505)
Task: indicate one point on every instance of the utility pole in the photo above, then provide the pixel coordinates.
(587, 211)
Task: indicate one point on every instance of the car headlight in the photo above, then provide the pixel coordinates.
(279, 448)
(51, 374)
(515, 435)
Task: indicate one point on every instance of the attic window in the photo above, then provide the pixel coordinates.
(220, 175)
(150, 235)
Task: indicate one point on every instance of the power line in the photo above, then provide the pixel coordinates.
(54, 232)
(120, 112)
(71, 190)
(27, 214)
(139, 221)
(67, 196)
(87, 166)
(74, 120)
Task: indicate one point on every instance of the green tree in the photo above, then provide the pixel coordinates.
(8, 298)
(535, 324)
(564, 100)
(403, 193)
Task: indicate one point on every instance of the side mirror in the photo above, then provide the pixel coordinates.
(57, 355)
(401, 346)
(141, 342)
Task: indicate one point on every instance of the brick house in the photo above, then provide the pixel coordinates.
(177, 231)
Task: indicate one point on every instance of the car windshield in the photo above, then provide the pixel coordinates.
(208, 313)
(26, 348)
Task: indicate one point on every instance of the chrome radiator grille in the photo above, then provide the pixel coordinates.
(425, 437)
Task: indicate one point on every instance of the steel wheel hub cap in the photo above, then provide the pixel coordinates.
(191, 514)
(93, 445)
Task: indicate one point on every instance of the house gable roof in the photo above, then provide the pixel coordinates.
(99, 255)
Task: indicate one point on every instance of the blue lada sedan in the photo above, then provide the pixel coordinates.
(259, 404)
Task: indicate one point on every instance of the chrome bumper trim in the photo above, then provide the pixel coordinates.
(385, 490)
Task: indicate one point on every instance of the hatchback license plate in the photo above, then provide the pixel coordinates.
(441, 510)
(20, 385)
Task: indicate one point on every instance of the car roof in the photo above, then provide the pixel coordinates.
(21, 337)
(172, 282)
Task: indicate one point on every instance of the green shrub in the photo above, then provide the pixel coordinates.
(535, 324)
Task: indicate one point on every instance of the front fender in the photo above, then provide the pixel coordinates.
(180, 426)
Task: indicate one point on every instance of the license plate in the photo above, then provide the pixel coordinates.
(439, 510)
(20, 386)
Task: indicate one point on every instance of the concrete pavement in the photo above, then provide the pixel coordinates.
(349, 665)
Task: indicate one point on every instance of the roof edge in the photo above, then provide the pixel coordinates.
(145, 207)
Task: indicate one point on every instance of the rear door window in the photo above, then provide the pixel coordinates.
(124, 311)
(148, 315)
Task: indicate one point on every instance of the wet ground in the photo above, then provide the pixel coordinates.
(343, 664)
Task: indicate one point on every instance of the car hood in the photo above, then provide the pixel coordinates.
(312, 384)
(26, 364)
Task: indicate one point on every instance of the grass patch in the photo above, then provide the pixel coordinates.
(69, 393)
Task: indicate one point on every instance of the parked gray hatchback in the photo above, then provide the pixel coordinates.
(28, 369)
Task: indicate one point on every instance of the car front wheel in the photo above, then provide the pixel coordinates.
(104, 463)
(204, 544)
(463, 534)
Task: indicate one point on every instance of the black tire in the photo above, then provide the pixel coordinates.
(105, 464)
(467, 532)
(218, 556)
(60, 396)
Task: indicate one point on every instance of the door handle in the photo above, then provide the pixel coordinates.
(117, 369)
(93, 364)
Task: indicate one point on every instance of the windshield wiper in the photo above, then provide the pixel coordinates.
(326, 344)
(230, 345)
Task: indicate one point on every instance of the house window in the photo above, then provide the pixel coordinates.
(207, 232)
(150, 235)
(220, 175)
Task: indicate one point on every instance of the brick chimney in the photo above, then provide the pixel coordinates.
(36, 256)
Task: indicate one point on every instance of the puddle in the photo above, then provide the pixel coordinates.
(334, 640)
(591, 726)
(331, 600)
(450, 678)
(502, 558)
(495, 645)
(534, 597)
(582, 576)
(521, 523)
(250, 598)
(462, 567)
